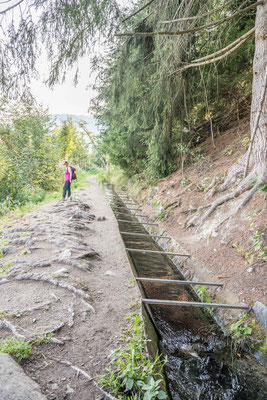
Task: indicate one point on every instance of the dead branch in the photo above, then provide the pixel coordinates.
(193, 30)
(197, 16)
(138, 11)
(208, 109)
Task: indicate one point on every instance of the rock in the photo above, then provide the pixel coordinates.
(250, 269)
(53, 386)
(7, 250)
(260, 311)
(14, 384)
(65, 255)
(69, 390)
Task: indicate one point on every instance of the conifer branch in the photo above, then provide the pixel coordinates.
(197, 29)
(196, 63)
(197, 16)
(241, 39)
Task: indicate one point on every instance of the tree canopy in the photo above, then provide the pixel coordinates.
(155, 109)
(67, 29)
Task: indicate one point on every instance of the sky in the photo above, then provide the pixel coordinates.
(66, 98)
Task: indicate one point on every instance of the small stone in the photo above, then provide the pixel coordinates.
(100, 292)
(69, 390)
(34, 320)
(53, 386)
(250, 269)
(7, 250)
(110, 273)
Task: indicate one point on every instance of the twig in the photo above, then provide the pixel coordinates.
(138, 11)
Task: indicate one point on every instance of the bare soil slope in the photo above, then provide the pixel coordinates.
(225, 249)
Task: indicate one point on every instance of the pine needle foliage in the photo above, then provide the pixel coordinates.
(149, 107)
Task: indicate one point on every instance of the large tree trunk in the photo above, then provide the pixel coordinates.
(258, 123)
(255, 160)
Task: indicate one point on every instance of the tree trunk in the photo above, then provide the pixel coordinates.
(255, 160)
(258, 123)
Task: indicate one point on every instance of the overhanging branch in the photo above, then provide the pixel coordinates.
(232, 47)
(183, 32)
(241, 39)
(197, 16)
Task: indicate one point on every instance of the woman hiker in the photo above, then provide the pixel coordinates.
(68, 180)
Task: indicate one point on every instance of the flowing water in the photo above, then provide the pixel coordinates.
(200, 365)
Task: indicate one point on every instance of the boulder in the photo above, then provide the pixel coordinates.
(14, 383)
(260, 311)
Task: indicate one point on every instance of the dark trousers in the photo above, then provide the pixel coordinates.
(66, 188)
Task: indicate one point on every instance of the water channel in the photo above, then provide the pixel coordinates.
(201, 364)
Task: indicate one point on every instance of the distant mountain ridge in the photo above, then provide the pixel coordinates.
(91, 121)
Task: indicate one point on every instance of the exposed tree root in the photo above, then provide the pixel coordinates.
(236, 170)
(85, 374)
(5, 324)
(18, 313)
(52, 281)
(243, 186)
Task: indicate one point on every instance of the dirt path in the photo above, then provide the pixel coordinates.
(66, 271)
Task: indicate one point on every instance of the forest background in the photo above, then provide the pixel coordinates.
(160, 94)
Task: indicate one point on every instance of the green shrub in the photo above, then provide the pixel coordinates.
(19, 348)
(131, 370)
